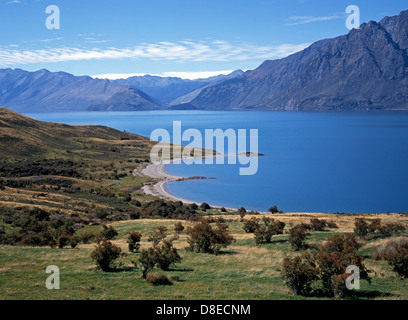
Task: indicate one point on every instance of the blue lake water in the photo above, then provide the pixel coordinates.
(314, 161)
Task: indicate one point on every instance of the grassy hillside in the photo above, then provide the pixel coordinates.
(23, 137)
(69, 169)
(244, 270)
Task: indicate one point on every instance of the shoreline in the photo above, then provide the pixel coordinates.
(158, 188)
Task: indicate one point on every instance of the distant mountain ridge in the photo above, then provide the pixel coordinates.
(365, 69)
(45, 91)
(174, 90)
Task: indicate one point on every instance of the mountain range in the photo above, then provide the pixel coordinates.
(45, 91)
(174, 90)
(364, 69)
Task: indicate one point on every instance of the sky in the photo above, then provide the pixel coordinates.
(187, 38)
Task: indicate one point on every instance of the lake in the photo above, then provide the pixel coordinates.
(313, 161)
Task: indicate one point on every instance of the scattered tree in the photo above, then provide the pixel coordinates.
(204, 238)
(297, 237)
(105, 254)
(273, 209)
(178, 227)
(134, 241)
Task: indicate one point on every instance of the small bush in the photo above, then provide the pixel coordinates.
(74, 242)
(158, 279)
(134, 215)
(87, 237)
(205, 206)
(204, 238)
(134, 241)
(105, 254)
(297, 237)
(108, 233)
(324, 270)
(162, 256)
(299, 273)
(264, 233)
(167, 255)
(360, 227)
(178, 227)
(63, 240)
(147, 259)
(273, 209)
(338, 285)
(158, 235)
(332, 225)
(375, 229)
(242, 210)
(341, 243)
(251, 225)
(318, 225)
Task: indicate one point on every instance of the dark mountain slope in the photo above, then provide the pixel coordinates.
(365, 69)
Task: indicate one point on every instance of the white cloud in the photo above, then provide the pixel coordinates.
(177, 51)
(183, 75)
(310, 19)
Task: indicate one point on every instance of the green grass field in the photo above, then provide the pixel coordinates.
(243, 271)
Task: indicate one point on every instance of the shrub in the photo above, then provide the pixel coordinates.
(297, 237)
(158, 279)
(167, 255)
(134, 241)
(242, 210)
(338, 285)
(205, 206)
(158, 235)
(105, 254)
(390, 229)
(326, 267)
(134, 215)
(264, 233)
(332, 225)
(162, 256)
(147, 259)
(318, 225)
(108, 233)
(376, 230)
(299, 273)
(178, 227)
(335, 255)
(74, 242)
(223, 209)
(273, 209)
(87, 237)
(341, 243)
(360, 227)
(63, 240)
(167, 209)
(203, 238)
(251, 225)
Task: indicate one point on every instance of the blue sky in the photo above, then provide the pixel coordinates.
(167, 37)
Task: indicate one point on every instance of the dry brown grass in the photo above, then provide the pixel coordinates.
(389, 247)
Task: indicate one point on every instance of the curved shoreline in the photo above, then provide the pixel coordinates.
(157, 171)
